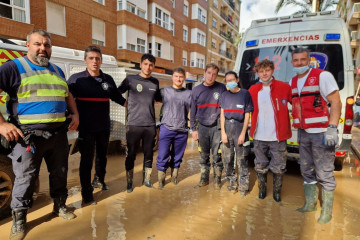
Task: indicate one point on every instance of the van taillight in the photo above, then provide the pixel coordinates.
(349, 114)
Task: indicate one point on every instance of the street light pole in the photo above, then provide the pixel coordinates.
(314, 3)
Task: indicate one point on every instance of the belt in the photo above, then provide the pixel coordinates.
(233, 120)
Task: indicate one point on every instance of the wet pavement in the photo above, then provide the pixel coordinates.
(184, 212)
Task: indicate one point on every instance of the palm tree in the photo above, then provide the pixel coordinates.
(306, 5)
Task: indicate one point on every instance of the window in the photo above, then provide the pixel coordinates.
(16, 10)
(186, 9)
(157, 49)
(150, 48)
(100, 1)
(130, 46)
(201, 17)
(212, 60)
(172, 29)
(98, 32)
(173, 3)
(184, 62)
(200, 63)
(213, 43)
(200, 39)
(158, 16)
(185, 34)
(130, 7)
(141, 13)
(216, 3)
(55, 18)
(214, 22)
(141, 45)
(119, 5)
(165, 22)
(162, 19)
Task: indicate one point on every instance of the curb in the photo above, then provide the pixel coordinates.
(355, 150)
(355, 141)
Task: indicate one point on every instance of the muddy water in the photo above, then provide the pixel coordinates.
(183, 212)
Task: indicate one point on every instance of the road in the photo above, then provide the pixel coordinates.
(183, 212)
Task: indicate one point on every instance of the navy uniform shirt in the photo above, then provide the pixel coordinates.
(205, 104)
(142, 92)
(92, 100)
(235, 105)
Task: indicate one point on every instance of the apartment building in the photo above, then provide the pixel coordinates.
(175, 31)
(350, 12)
(223, 28)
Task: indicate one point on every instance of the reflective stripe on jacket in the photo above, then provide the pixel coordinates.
(309, 109)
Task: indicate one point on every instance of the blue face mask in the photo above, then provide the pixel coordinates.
(300, 70)
(267, 82)
(231, 85)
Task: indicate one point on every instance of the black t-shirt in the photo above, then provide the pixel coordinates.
(142, 92)
(92, 99)
(235, 105)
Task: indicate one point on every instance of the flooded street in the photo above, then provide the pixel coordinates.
(183, 212)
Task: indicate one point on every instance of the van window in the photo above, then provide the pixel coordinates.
(324, 56)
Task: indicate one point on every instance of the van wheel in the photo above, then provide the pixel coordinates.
(6, 185)
(339, 161)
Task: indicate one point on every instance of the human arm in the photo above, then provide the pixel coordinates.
(193, 110)
(74, 114)
(241, 139)
(224, 137)
(335, 107)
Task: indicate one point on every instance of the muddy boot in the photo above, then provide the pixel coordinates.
(232, 185)
(327, 206)
(217, 181)
(174, 175)
(204, 177)
(161, 177)
(99, 183)
(311, 196)
(61, 210)
(262, 180)
(129, 180)
(277, 183)
(18, 228)
(214, 173)
(147, 177)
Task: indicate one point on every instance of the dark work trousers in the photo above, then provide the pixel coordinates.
(277, 151)
(26, 167)
(210, 139)
(87, 143)
(316, 161)
(177, 142)
(233, 130)
(133, 136)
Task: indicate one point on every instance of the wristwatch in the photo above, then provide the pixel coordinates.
(332, 126)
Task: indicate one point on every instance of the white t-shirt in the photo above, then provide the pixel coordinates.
(327, 84)
(266, 129)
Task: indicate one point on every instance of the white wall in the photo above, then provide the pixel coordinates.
(126, 34)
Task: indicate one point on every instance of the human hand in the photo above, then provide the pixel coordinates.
(195, 135)
(10, 131)
(224, 138)
(241, 139)
(330, 137)
(74, 121)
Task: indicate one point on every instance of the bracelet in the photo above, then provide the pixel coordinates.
(332, 126)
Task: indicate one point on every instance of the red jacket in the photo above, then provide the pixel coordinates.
(309, 109)
(280, 96)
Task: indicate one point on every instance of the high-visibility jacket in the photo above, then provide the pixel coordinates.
(309, 109)
(41, 94)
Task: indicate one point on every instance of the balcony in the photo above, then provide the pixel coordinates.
(225, 53)
(355, 39)
(231, 4)
(227, 18)
(227, 36)
(354, 16)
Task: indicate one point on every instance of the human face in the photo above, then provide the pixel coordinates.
(231, 78)
(39, 49)
(210, 76)
(265, 74)
(147, 68)
(300, 59)
(178, 80)
(93, 62)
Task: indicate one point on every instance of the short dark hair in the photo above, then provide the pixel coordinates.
(213, 66)
(179, 70)
(38, 31)
(149, 57)
(300, 50)
(264, 64)
(231, 72)
(92, 49)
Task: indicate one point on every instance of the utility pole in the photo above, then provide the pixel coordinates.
(315, 5)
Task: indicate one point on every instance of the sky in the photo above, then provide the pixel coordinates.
(259, 9)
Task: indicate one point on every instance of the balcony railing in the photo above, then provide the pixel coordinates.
(225, 53)
(227, 36)
(353, 16)
(227, 18)
(231, 4)
(355, 36)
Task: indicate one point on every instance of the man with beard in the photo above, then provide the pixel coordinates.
(37, 102)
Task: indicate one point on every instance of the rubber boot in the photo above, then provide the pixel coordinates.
(277, 183)
(19, 221)
(327, 206)
(129, 180)
(262, 180)
(147, 177)
(99, 183)
(61, 210)
(174, 175)
(161, 177)
(232, 185)
(217, 181)
(204, 177)
(311, 196)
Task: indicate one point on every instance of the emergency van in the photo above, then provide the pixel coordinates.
(326, 36)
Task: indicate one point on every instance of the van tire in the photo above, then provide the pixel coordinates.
(6, 185)
(339, 161)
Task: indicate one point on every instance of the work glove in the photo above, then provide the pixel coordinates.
(330, 138)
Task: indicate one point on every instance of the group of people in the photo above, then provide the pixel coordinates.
(43, 106)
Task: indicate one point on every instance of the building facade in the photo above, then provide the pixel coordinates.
(176, 32)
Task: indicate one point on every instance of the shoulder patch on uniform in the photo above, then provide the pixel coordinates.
(312, 80)
(105, 86)
(216, 95)
(139, 87)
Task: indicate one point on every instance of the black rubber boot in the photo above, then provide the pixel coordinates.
(99, 183)
(161, 178)
(19, 221)
(61, 210)
(204, 177)
(232, 187)
(262, 181)
(327, 206)
(174, 175)
(277, 183)
(147, 177)
(218, 172)
(311, 196)
(129, 180)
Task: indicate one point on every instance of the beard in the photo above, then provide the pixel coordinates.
(42, 61)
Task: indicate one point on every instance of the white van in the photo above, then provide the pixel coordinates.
(326, 36)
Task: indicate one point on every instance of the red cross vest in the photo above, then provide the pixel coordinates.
(309, 109)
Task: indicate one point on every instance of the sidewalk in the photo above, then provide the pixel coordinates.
(355, 143)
